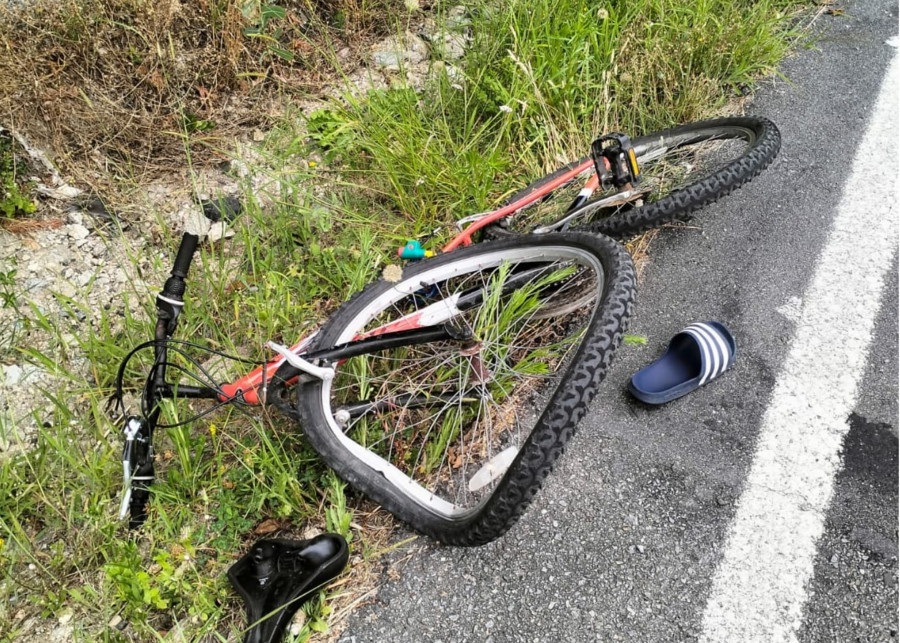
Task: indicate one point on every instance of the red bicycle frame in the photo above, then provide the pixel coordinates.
(248, 387)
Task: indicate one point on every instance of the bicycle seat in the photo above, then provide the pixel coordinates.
(276, 572)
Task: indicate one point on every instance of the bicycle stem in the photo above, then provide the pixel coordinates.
(169, 303)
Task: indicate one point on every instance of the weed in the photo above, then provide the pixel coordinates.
(14, 322)
(332, 131)
(337, 516)
(9, 298)
(14, 200)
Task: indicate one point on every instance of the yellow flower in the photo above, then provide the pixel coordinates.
(212, 430)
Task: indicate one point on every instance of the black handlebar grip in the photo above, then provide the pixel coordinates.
(185, 254)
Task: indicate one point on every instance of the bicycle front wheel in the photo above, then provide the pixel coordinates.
(682, 169)
(455, 437)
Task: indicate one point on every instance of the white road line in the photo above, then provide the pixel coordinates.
(759, 588)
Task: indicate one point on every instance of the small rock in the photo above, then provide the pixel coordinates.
(14, 374)
(457, 18)
(394, 52)
(220, 230)
(875, 542)
(364, 80)
(33, 285)
(239, 168)
(196, 223)
(65, 616)
(415, 76)
(454, 73)
(392, 273)
(77, 231)
(62, 193)
(66, 289)
(451, 46)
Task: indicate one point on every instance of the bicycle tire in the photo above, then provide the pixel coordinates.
(671, 199)
(546, 430)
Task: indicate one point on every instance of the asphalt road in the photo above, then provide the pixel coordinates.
(624, 541)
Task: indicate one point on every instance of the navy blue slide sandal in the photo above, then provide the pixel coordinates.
(696, 356)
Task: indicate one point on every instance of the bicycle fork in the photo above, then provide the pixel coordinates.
(137, 467)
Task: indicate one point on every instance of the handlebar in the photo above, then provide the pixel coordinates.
(185, 254)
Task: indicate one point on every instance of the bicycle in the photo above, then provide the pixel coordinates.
(447, 393)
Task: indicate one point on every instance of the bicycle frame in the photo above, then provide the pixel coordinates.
(430, 324)
(248, 387)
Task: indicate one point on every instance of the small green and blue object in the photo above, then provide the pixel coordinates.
(414, 250)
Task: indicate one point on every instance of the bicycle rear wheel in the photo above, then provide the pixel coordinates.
(456, 437)
(682, 169)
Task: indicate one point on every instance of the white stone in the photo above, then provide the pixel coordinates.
(196, 223)
(14, 374)
(77, 231)
(395, 51)
(240, 168)
(220, 230)
(451, 46)
(457, 18)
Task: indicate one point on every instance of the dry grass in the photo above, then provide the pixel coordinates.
(127, 83)
(27, 226)
(358, 585)
(639, 249)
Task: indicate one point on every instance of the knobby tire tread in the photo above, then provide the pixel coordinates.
(684, 201)
(546, 442)
(702, 193)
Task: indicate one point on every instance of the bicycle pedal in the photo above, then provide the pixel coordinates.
(615, 161)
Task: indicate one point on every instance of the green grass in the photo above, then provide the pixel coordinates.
(14, 199)
(541, 79)
(218, 478)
